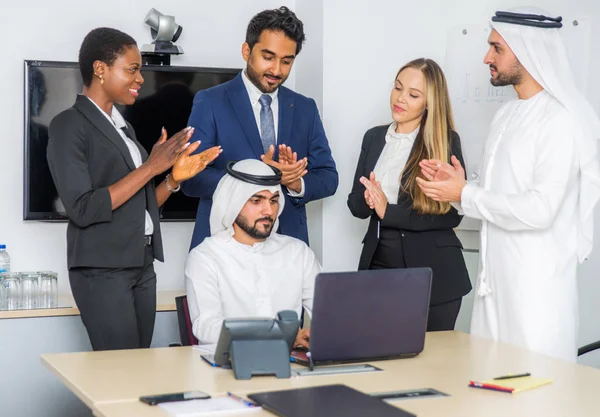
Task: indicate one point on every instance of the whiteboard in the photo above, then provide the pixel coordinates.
(475, 101)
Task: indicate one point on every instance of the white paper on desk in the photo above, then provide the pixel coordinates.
(195, 408)
(206, 349)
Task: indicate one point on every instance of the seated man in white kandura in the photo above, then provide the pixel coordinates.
(242, 269)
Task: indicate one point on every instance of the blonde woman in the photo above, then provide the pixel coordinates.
(408, 229)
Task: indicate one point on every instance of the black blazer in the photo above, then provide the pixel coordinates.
(428, 240)
(86, 155)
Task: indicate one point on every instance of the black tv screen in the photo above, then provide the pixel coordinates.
(165, 99)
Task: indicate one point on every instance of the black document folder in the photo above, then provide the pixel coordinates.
(325, 401)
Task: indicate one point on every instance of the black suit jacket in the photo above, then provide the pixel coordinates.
(86, 155)
(428, 240)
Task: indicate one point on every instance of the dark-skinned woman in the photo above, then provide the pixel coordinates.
(104, 179)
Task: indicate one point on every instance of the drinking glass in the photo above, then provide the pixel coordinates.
(29, 290)
(11, 282)
(45, 293)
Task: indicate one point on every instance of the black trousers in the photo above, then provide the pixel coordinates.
(390, 254)
(443, 316)
(117, 306)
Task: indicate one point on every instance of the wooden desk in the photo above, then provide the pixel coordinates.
(449, 361)
(165, 301)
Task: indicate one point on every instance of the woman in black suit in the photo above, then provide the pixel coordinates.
(104, 179)
(408, 229)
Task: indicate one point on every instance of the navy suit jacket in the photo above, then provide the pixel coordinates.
(223, 115)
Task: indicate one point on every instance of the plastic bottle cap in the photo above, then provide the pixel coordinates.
(2, 246)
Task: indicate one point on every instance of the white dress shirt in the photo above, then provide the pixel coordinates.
(392, 160)
(226, 279)
(118, 122)
(254, 94)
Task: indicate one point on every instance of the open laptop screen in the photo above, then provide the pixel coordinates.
(370, 314)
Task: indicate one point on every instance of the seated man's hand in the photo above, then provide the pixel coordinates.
(302, 338)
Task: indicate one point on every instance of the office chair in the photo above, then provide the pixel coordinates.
(185, 323)
(588, 348)
(186, 335)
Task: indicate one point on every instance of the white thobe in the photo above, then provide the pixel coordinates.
(226, 279)
(527, 198)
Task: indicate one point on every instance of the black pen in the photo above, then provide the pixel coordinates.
(510, 376)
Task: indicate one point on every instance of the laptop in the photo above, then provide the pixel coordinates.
(368, 315)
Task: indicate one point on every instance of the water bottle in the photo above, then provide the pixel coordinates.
(4, 260)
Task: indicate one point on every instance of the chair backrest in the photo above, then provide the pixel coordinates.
(588, 348)
(185, 323)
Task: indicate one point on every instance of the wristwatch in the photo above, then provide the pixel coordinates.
(171, 190)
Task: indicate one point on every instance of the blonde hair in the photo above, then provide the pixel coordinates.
(433, 140)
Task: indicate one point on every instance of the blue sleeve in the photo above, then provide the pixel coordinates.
(202, 119)
(322, 178)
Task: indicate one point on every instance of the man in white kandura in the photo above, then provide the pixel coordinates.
(539, 183)
(242, 269)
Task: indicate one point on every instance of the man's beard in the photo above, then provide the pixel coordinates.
(255, 79)
(510, 77)
(254, 231)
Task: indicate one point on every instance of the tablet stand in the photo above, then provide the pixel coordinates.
(260, 357)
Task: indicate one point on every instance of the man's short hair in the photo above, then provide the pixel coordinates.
(282, 19)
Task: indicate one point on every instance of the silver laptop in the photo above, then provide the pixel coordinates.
(368, 315)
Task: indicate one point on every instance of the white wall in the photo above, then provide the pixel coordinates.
(53, 30)
(364, 44)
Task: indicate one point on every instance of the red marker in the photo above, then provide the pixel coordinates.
(490, 386)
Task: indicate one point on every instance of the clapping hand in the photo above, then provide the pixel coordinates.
(291, 169)
(435, 170)
(287, 156)
(187, 165)
(374, 195)
(165, 151)
(444, 182)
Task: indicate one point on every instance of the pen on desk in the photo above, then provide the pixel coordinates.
(311, 365)
(241, 400)
(510, 376)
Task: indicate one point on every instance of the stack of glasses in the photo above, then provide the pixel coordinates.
(28, 290)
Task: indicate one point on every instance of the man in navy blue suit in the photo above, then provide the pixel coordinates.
(254, 116)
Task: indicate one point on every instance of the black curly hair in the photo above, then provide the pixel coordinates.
(101, 44)
(282, 19)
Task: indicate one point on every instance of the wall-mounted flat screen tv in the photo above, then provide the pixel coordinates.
(165, 99)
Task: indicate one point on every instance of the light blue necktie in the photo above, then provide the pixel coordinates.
(267, 126)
